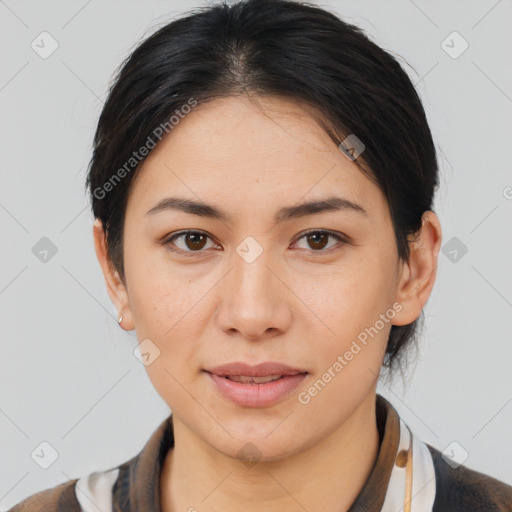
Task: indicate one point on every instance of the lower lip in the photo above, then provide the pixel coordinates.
(257, 395)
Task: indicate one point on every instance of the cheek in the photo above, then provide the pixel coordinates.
(350, 352)
(355, 306)
(352, 295)
(159, 293)
(167, 309)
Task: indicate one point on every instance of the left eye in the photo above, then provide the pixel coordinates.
(318, 239)
(195, 241)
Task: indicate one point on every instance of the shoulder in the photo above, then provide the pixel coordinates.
(56, 499)
(89, 493)
(460, 489)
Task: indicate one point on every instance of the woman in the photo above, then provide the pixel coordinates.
(262, 181)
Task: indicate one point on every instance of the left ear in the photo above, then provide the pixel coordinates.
(419, 273)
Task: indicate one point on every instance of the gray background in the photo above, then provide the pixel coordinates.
(67, 372)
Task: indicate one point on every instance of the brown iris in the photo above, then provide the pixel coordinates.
(195, 241)
(319, 240)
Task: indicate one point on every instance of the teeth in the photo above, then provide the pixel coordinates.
(256, 380)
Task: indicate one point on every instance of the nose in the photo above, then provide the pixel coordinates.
(255, 300)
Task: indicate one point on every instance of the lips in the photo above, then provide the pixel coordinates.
(261, 385)
(252, 380)
(243, 372)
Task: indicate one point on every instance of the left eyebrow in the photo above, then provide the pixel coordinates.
(289, 212)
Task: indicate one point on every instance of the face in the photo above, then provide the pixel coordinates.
(252, 286)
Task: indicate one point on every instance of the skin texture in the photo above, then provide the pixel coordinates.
(294, 304)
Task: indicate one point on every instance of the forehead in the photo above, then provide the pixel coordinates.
(270, 152)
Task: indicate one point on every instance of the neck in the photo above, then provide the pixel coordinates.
(327, 476)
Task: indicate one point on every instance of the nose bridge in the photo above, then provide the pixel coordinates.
(250, 303)
(251, 274)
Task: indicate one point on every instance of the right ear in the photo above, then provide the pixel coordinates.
(115, 287)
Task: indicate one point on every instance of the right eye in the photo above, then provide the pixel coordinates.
(192, 242)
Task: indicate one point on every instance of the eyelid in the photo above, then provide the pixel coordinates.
(342, 239)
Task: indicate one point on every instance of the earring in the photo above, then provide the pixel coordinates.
(120, 320)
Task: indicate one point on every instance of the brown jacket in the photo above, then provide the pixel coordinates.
(436, 483)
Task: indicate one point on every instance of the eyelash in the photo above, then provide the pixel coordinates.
(168, 241)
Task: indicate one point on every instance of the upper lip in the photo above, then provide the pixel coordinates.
(259, 370)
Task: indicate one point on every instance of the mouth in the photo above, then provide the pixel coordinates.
(243, 370)
(256, 386)
(246, 379)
